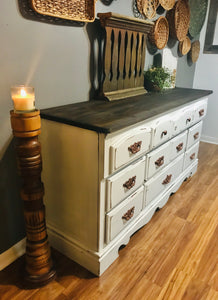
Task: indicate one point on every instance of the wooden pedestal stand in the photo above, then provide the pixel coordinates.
(26, 128)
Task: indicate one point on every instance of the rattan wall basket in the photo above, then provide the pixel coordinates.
(179, 19)
(195, 51)
(149, 8)
(185, 46)
(159, 33)
(167, 4)
(76, 10)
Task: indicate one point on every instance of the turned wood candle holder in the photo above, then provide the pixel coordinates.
(26, 128)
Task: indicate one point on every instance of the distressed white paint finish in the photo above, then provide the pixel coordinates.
(85, 203)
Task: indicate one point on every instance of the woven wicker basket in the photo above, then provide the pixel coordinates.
(167, 4)
(77, 10)
(195, 51)
(139, 6)
(159, 33)
(149, 8)
(185, 46)
(179, 19)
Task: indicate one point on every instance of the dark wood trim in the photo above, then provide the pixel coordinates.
(209, 48)
(106, 117)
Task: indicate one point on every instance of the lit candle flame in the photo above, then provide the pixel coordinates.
(23, 93)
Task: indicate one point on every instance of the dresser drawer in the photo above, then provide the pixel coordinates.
(162, 129)
(122, 184)
(194, 134)
(178, 145)
(190, 156)
(163, 180)
(119, 217)
(200, 110)
(157, 160)
(126, 147)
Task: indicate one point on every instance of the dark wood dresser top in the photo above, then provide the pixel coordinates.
(107, 117)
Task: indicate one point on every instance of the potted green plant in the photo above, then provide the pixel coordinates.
(157, 79)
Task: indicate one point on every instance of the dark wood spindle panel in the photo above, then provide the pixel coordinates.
(124, 55)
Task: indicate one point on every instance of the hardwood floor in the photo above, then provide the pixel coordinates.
(175, 256)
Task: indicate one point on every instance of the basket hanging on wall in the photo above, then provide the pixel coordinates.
(76, 10)
(198, 10)
(159, 33)
(195, 51)
(167, 4)
(185, 46)
(179, 19)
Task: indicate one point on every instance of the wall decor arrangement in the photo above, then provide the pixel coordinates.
(77, 10)
(27, 12)
(198, 10)
(159, 33)
(179, 19)
(195, 51)
(185, 46)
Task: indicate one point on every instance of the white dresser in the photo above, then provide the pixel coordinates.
(104, 181)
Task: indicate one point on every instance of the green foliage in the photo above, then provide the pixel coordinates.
(159, 77)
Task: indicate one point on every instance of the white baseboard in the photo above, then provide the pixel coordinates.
(10, 255)
(209, 139)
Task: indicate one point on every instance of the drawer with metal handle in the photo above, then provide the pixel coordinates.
(157, 159)
(162, 129)
(194, 134)
(163, 180)
(125, 182)
(123, 148)
(178, 145)
(200, 110)
(190, 156)
(123, 214)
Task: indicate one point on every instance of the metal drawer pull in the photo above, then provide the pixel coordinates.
(192, 156)
(129, 214)
(167, 179)
(136, 147)
(130, 183)
(188, 120)
(164, 133)
(201, 112)
(160, 161)
(196, 135)
(179, 147)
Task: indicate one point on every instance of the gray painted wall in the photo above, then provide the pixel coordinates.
(55, 59)
(206, 77)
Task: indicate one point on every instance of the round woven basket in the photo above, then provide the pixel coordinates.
(195, 50)
(167, 4)
(185, 46)
(179, 19)
(149, 8)
(159, 33)
(139, 6)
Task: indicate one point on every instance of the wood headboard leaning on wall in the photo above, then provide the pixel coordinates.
(124, 55)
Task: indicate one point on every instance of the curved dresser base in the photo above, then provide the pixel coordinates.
(98, 262)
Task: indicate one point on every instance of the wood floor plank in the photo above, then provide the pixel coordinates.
(173, 257)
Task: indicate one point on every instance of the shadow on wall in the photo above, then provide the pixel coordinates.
(12, 228)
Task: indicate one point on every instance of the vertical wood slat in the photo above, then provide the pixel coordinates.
(143, 59)
(138, 63)
(121, 60)
(127, 60)
(133, 59)
(107, 60)
(114, 61)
